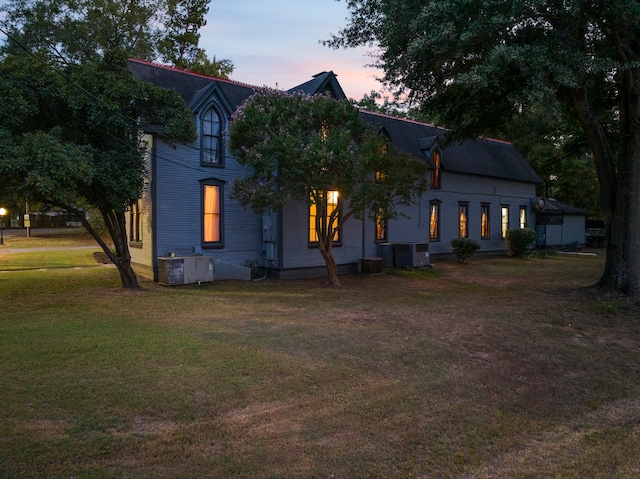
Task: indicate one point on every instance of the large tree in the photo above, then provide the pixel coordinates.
(476, 62)
(84, 31)
(313, 149)
(74, 137)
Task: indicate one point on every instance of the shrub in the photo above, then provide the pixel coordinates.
(519, 240)
(464, 248)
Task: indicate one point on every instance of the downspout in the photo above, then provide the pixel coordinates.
(154, 209)
(265, 245)
(364, 210)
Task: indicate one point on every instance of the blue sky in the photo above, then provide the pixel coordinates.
(275, 43)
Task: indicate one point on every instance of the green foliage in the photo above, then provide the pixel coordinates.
(476, 65)
(184, 18)
(85, 31)
(558, 152)
(215, 68)
(297, 144)
(464, 248)
(519, 240)
(74, 140)
(300, 146)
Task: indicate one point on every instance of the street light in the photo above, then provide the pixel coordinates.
(2, 213)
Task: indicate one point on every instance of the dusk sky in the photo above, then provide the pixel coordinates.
(275, 43)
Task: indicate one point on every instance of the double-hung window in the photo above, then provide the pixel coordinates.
(523, 217)
(212, 214)
(485, 225)
(434, 220)
(381, 227)
(135, 223)
(504, 221)
(463, 220)
(325, 216)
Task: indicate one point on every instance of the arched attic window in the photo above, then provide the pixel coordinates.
(211, 140)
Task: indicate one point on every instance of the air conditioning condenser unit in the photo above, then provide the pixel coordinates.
(412, 255)
(185, 270)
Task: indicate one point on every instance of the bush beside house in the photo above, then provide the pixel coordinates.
(519, 240)
(464, 248)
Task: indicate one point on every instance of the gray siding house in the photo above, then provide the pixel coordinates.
(186, 225)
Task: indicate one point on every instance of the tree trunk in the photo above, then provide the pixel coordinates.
(332, 267)
(619, 185)
(324, 232)
(625, 227)
(121, 259)
(116, 225)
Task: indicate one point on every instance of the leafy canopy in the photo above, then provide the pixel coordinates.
(85, 31)
(79, 135)
(475, 64)
(300, 146)
(74, 137)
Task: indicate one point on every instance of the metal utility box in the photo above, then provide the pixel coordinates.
(412, 255)
(185, 270)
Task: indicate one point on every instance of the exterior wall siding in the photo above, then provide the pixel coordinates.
(571, 231)
(179, 218)
(142, 252)
(297, 253)
(179, 203)
(476, 191)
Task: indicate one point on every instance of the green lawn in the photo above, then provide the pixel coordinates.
(498, 368)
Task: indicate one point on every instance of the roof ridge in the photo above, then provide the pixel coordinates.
(386, 115)
(202, 75)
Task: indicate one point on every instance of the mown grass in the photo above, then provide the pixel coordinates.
(41, 249)
(497, 368)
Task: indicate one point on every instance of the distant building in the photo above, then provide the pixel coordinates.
(559, 225)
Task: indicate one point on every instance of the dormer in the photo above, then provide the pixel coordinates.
(212, 112)
(430, 147)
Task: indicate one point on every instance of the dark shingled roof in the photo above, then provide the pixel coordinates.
(187, 83)
(482, 156)
(551, 204)
(322, 83)
(190, 84)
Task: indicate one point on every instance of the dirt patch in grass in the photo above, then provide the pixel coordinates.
(101, 257)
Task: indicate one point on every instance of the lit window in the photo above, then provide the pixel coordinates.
(329, 221)
(211, 138)
(381, 227)
(484, 219)
(434, 220)
(463, 220)
(435, 174)
(504, 218)
(523, 217)
(212, 215)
